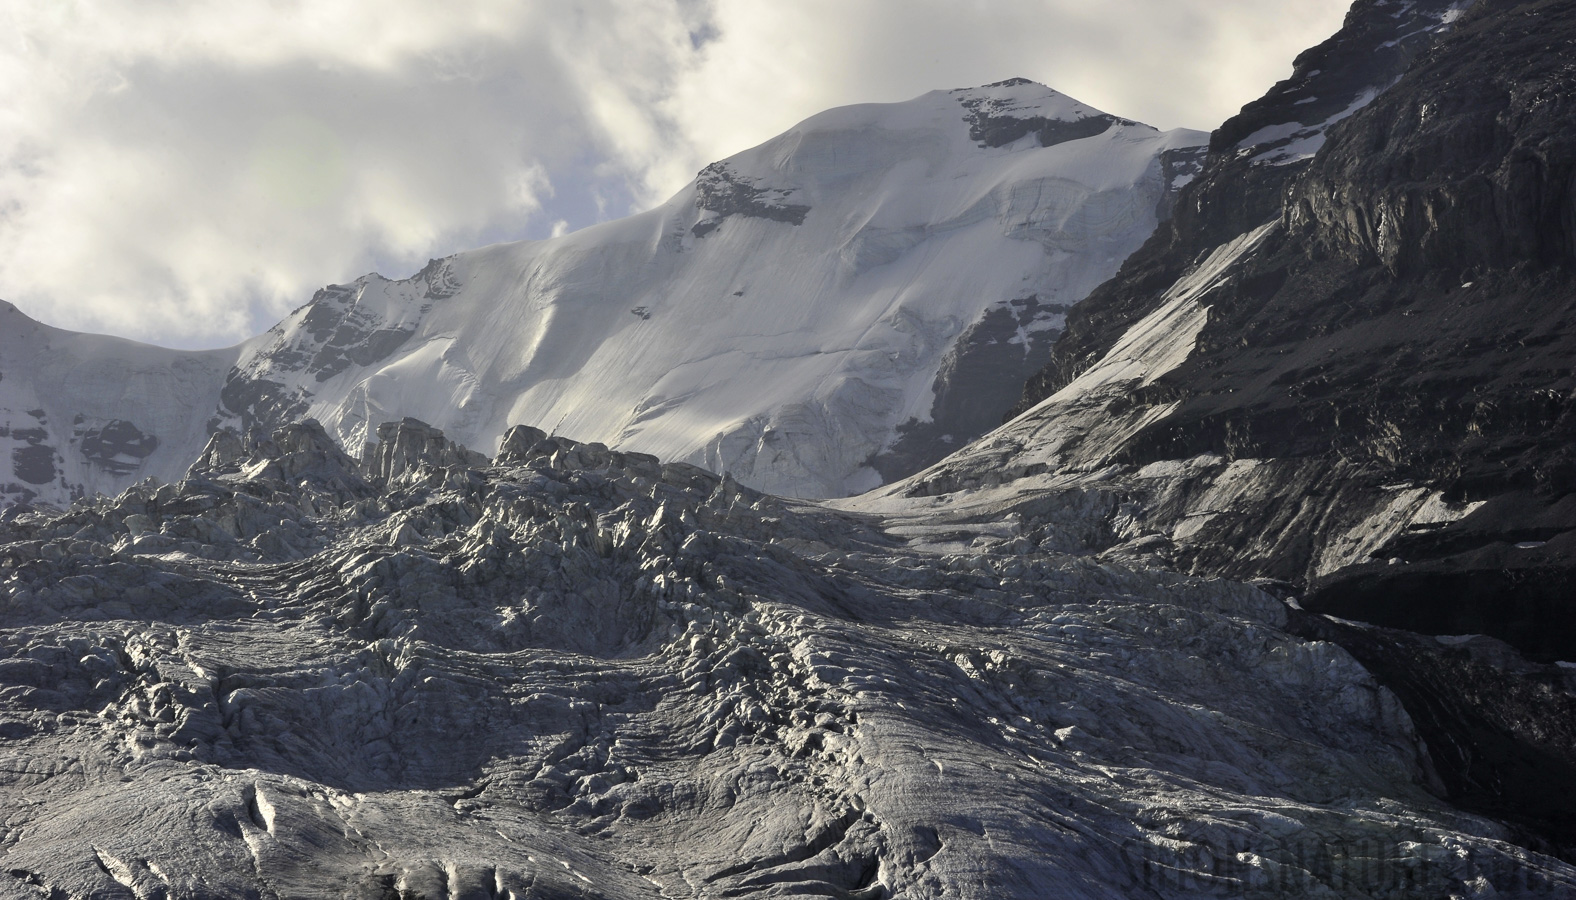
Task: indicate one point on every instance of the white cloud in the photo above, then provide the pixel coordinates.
(185, 172)
(1169, 63)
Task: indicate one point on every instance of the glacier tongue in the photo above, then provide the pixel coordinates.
(579, 672)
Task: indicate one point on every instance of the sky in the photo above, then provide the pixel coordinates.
(185, 172)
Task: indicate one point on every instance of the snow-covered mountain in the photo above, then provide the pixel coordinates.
(837, 307)
(570, 671)
(86, 413)
(782, 318)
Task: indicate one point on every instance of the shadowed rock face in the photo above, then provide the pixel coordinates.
(1244, 177)
(993, 129)
(573, 672)
(974, 386)
(1373, 403)
(119, 446)
(1470, 167)
(1411, 321)
(722, 192)
(1499, 729)
(34, 463)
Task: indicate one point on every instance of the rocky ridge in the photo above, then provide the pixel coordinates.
(1377, 390)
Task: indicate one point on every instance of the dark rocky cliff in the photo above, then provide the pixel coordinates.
(1410, 322)
(1414, 320)
(1248, 170)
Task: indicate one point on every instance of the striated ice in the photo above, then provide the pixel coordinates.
(577, 672)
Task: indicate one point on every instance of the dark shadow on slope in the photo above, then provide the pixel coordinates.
(1500, 731)
(979, 380)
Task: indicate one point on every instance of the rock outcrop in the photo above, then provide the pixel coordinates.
(1343, 370)
(1383, 376)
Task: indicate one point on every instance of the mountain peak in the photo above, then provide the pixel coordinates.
(1023, 98)
(1005, 111)
(835, 307)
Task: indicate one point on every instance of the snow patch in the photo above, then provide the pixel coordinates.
(1409, 508)
(1165, 338)
(1292, 142)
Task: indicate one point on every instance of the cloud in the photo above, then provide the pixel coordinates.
(1170, 63)
(186, 172)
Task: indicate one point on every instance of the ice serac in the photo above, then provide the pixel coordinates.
(1346, 373)
(574, 672)
(806, 315)
(82, 414)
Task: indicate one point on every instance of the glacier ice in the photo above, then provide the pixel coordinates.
(573, 671)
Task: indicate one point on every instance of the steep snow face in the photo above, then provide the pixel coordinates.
(784, 318)
(83, 413)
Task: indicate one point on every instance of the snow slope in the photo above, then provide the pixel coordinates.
(839, 306)
(85, 413)
(782, 318)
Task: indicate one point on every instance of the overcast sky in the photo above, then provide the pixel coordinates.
(186, 172)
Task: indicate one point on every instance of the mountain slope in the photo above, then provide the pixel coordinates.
(784, 318)
(1349, 375)
(1377, 353)
(85, 414)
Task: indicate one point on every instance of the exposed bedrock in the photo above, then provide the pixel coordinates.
(119, 446)
(976, 383)
(1244, 178)
(1345, 367)
(722, 192)
(1409, 325)
(1500, 729)
(1470, 166)
(995, 126)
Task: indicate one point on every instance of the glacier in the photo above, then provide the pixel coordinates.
(574, 672)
